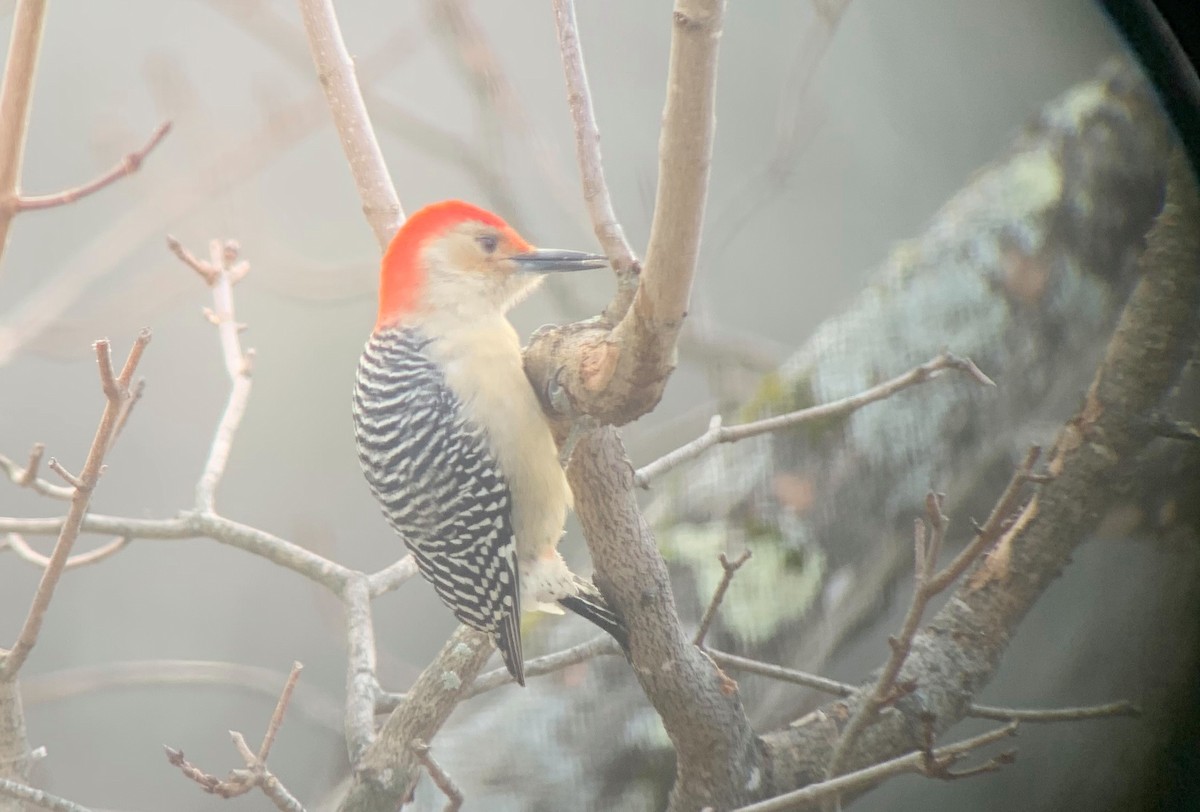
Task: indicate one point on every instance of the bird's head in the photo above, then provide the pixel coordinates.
(452, 260)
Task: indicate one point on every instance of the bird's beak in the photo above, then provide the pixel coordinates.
(550, 260)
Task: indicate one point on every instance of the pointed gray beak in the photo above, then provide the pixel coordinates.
(551, 260)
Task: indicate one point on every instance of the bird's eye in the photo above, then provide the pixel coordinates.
(487, 242)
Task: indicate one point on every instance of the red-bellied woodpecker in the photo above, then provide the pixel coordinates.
(450, 434)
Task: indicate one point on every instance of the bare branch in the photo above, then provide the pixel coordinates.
(860, 780)
(928, 584)
(719, 594)
(57, 467)
(362, 685)
(13, 659)
(221, 271)
(39, 798)
(30, 318)
(735, 663)
(16, 94)
(992, 528)
(717, 433)
(18, 545)
(335, 71)
(126, 166)
(618, 374)
(1122, 708)
(957, 654)
(255, 773)
(386, 770)
(315, 705)
(547, 664)
(27, 477)
(280, 709)
(329, 574)
(454, 796)
(587, 148)
(389, 578)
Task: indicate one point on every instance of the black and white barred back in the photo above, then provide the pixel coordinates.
(439, 486)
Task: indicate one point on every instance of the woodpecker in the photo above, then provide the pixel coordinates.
(450, 435)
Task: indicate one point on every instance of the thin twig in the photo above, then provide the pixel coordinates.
(335, 71)
(57, 467)
(16, 95)
(126, 166)
(1121, 708)
(27, 476)
(866, 778)
(587, 147)
(547, 664)
(37, 797)
(220, 272)
(255, 773)
(719, 594)
(280, 709)
(718, 433)
(454, 796)
(734, 662)
(16, 542)
(93, 259)
(928, 584)
(992, 528)
(13, 659)
(329, 574)
(314, 705)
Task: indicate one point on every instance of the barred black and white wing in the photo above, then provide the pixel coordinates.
(439, 487)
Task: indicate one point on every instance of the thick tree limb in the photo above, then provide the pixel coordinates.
(389, 767)
(957, 654)
(717, 753)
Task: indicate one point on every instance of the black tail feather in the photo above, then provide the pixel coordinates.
(508, 640)
(590, 605)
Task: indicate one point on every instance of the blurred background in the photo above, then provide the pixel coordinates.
(829, 150)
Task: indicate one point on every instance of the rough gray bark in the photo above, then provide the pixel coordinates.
(717, 753)
(957, 654)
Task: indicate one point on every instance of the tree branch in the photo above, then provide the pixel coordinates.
(255, 773)
(116, 391)
(18, 545)
(39, 798)
(718, 433)
(126, 166)
(16, 95)
(388, 768)
(26, 477)
(454, 796)
(617, 373)
(864, 779)
(587, 147)
(221, 272)
(958, 652)
(335, 72)
(729, 567)
(716, 750)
